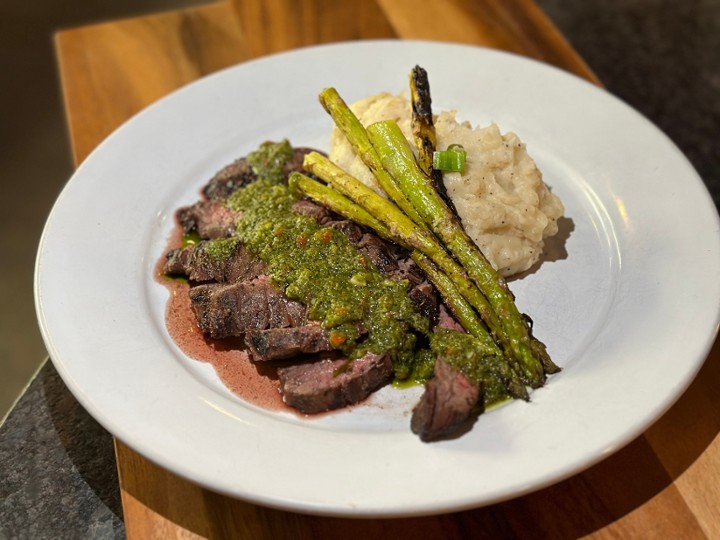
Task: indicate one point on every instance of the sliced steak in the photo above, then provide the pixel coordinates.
(240, 173)
(281, 343)
(308, 208)
(449, 400)
(375, 249)
(425, 300)
(408, 269)
(332, 383)
(351, 230)
(224, 310)
(229, 179)
(209, 219)
(197, 263)
(446, 320)
(295, 163)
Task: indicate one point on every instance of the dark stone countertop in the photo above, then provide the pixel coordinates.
(57, 470)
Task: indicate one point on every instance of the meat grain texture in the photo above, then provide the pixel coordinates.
(501, 197)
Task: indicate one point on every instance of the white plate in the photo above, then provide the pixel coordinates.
(628, 303)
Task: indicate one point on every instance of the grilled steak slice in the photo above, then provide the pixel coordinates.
(295, 163)
(240, 173)
(378, 252)
(197, 263)
(229, 179)
(425, 300)
(332, 383)
(281, 343)
(224, 310)
(446, 320)
(407, 268)
(449, 400)
(308, 208)
(209, 219)
(352, 231)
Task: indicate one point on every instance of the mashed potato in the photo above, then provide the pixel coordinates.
(501, 198)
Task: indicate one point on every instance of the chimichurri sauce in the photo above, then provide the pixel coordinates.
(317, 265)
(468, 355)
(269, 160)
(364, 310)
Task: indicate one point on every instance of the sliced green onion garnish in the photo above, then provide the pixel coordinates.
(452, 159)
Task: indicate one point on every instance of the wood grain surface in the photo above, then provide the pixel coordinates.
(665, 484)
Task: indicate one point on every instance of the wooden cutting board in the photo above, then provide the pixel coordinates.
(663, 485)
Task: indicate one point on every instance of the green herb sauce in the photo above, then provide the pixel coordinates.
(342, 289)
(318, 266)
(468, 355)
(269, 160)
(221, 249)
